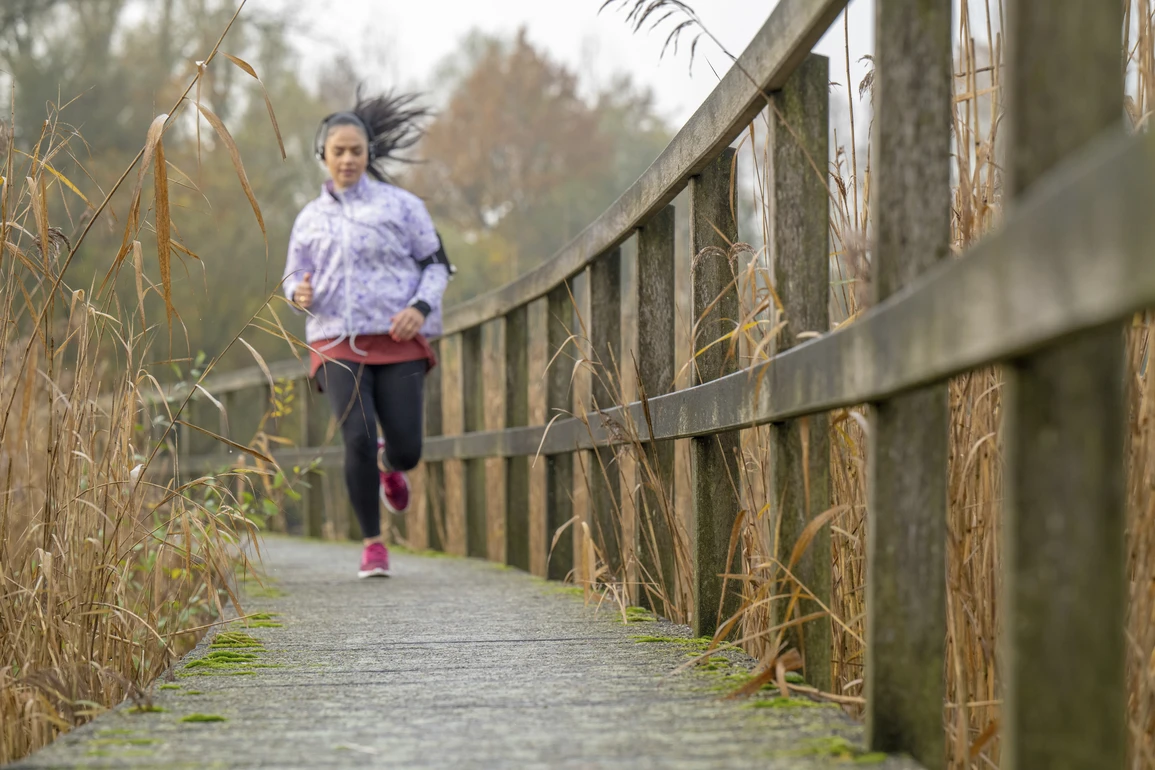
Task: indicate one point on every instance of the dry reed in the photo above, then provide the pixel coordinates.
(111, 569)
(972, 675)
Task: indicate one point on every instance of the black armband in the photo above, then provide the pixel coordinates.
(422, 307)
(437, 258)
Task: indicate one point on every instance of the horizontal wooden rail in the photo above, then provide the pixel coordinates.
(1013, 293)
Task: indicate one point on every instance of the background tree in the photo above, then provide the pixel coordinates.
(521, 157)
(519, 160)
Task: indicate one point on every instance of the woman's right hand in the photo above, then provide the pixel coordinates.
(303, 294)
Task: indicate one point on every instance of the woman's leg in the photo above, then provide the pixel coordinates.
(349, 389)
(399, 397)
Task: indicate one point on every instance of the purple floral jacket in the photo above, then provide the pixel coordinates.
(362, 248)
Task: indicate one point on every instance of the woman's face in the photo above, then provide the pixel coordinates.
(346, 155)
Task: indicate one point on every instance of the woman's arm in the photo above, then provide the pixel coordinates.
(298, 264)
(429, 254)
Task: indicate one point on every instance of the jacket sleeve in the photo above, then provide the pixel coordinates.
(299, 261)
(425, 243)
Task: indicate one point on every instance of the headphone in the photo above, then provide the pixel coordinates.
(347, 118)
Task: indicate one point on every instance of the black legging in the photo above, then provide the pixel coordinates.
(362, 394)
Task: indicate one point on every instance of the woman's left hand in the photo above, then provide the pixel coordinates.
(407, 324)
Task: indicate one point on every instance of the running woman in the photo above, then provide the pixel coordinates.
(366, 264)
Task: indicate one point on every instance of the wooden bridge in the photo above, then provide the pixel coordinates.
(508, 468)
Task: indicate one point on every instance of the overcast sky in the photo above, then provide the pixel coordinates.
(404, 39)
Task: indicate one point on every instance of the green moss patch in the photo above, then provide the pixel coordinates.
(234, 640)
(259, 620)
(577, 591)
(146, 710)
(264, 592)
(170, 687)
(786, 703)
(636, 615)
(192, 692)
(835, 747)
(204, 718)
(215, 672)
(696, 644)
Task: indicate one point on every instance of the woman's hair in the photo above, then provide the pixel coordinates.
(391, 123)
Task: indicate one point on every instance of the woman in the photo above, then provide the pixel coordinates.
(366, 264)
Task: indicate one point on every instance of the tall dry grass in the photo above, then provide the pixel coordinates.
(971, 714)
(110, 568)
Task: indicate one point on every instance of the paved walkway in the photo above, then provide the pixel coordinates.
(452, 663)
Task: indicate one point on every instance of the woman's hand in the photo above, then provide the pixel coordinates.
(406, 324)
(303, 294)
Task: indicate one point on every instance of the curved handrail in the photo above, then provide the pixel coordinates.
(774, 53)
(1015, 291)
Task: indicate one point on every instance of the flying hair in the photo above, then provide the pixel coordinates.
(391, 124)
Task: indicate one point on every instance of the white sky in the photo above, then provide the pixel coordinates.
(405, 39)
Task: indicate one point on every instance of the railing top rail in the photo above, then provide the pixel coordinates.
(1016, 291)
(775, 52)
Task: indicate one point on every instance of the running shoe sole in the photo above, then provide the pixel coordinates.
(372, 573)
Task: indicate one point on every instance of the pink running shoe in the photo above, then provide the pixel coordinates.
(394, 484)
(395, 491)
(374, 561)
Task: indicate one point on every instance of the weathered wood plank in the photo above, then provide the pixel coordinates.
(238, 379)
(714, 461)
(1065, 588)
(538, 543)
(783, 41)
(493, 418)
(656, 369)
(626, 461)
(800, 249)
(516, 469)
(434, 481)
(605, 329)
(559, 463)
(473, 397)
(907, 460)
(453, 424)
(312, 502)
(584, 558)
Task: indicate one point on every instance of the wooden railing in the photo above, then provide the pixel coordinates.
(1045, 295)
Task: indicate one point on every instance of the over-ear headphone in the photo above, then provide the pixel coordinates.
(346, 118)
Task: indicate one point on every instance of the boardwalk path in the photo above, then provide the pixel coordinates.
(452, 663)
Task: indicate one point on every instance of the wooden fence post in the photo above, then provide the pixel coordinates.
(800, 449)
(473, 396)
(494, 418)
(434, 512)
(909, 435)
(517, 414)
(559, 468)
(313, 503)
(538, 538)
(655, 359)
(714, 461)
(1065, 588)
(605, 329)
(453, 423)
